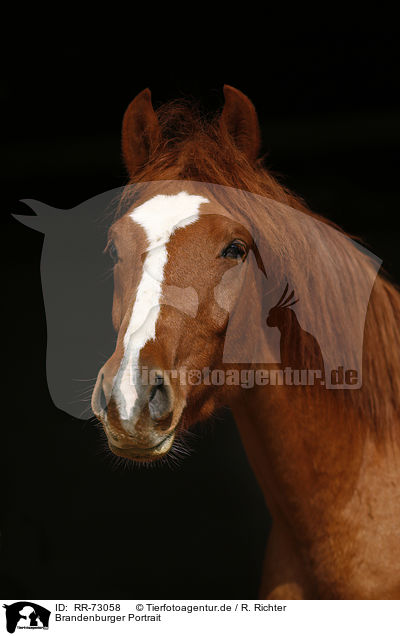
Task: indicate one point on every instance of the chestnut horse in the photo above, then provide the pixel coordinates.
(327, 461)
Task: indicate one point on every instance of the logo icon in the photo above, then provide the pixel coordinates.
(26, 615)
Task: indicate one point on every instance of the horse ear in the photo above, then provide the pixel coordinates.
(140, 131)
(239, 119)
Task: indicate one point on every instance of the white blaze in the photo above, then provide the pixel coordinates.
(159, 217)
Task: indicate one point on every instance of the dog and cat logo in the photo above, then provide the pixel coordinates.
(26, 615)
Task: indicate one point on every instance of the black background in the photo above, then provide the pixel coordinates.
(74, 524)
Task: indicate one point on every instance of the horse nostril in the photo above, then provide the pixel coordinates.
(159, 400)
(103, 400)
(159, 381)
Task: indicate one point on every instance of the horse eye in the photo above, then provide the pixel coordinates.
(112, 250)
(235, 250)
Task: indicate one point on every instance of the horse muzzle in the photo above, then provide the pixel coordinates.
(138, 453)
(149, 430)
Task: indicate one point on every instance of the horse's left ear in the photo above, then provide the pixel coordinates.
(239, 119)
(140, 132)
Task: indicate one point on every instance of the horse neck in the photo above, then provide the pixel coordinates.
(316, 464)
(313, 449)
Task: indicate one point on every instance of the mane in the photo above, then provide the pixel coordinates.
(193, 148)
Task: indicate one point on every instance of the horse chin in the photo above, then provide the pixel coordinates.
(144, 455)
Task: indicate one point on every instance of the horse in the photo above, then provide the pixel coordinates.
(327, 461)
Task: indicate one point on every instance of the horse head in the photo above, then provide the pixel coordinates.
(180, 261)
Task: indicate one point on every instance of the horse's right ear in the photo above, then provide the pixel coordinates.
(140, 132)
